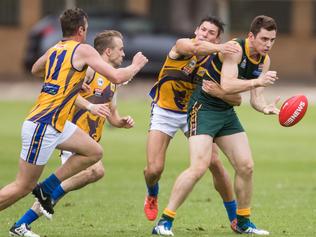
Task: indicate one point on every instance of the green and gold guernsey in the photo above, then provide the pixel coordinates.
(248, 68)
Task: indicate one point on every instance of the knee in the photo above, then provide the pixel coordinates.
(97, 153)
(246, 170)
(154, 170)
(96, 173)
(197, 172)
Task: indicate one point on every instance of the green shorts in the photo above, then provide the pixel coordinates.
(212, 121)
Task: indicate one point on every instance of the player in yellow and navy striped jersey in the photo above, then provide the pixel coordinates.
(97, 89)
(46, 127)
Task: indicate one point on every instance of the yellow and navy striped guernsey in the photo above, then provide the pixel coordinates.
(101, 91)
(175, 83)
(62, 84)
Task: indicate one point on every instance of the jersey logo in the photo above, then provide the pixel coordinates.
(188, 69)
(179, 98)
(50, 88)
(243, 63)
(100, 82)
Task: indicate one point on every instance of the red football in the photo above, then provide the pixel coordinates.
(293, 110)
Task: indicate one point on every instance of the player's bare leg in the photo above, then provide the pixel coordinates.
(200, 158)
(157, 144)
(236, 148)
(85, 151)
(24, 183)
(223, 186)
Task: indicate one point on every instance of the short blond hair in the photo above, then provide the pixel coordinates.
(104, 40)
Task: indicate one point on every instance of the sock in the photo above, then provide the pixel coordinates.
(153, 191)
(57, 194)
(231, 208)
(29, 217)
(168, 215)
(242, 216)
(50, 184)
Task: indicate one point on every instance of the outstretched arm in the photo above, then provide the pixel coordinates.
(87, 55)
(189, 47)
(257, 99)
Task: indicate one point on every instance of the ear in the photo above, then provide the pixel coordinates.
(108, 51)
(251, 36)
(196, 31)
(81, 29)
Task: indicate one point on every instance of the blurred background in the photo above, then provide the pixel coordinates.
(29, 27)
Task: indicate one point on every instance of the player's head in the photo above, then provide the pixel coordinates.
(109, 44)
(210, 29)
(262, 34)
(74, 22)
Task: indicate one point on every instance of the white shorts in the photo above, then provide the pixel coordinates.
(167, 121)
(64, 156)
(39, 141)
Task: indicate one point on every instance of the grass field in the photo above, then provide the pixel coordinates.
(284, 200)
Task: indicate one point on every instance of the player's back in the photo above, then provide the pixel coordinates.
(62, 83)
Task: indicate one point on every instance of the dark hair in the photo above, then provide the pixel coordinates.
(104, 40)
(71, 20)
(215, 21)
(265, 22)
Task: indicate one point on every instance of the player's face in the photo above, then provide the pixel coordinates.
(117, 52)
(207, 32)
(263, 41)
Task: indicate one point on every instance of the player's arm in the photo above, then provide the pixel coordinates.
(102, 110)
(87, 80)
(116, 120)
(229, 76)
(214, 89)
(189, 47)
(257, 99)
(87, 55)
(38, 68)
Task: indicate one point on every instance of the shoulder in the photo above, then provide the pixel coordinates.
(236, 57)
(84, 49)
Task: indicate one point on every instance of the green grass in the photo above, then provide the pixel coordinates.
(284, 185)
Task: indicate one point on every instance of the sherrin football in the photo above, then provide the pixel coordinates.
(293, 110)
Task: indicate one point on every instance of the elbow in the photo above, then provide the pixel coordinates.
(238, 101)
(33, 70)
(225, 86)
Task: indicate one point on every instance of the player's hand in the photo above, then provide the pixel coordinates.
(212, 89)
(102, 110)
(139, 60)
(127, 122)
(267, 79)
(85, 88)
(271, 108)
(229, 48)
